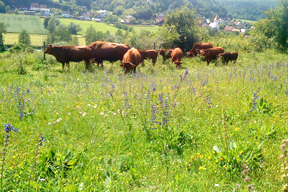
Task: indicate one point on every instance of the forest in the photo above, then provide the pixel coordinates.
(240, 9)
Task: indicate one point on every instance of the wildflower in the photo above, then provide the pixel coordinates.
(153, 88)
(216, 185)
(201, 168)
(41, 141)
(8, 128)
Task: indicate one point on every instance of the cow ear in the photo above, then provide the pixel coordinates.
(122, 64)
(132, 65)
(50, 45)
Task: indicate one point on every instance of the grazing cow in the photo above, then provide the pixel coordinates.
(197, 47)
(211, 53)
(108, 51)
(149, 54)
(228, 56)
(176, 56)
(166, 53)
(65, 54)
(131, 60)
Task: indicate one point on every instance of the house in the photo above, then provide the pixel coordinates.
(66, 14)
(150, 1)
(43, 6)
(104, 13)
(159, 20)
(29, 13)
(34, 5)
(215, 24)
(236, 30)
(228, 28)
(86, 16)
(83, 7)
(128, 19)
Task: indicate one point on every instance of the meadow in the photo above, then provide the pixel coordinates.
(15, 23)
(197, 128)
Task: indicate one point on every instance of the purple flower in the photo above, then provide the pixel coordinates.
(8, 128)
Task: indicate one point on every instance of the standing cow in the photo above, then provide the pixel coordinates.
(197, 47)
(228, 56)
(176, 56)
(148, 54)
(108, 51)
(65, 54)
(211, 53)
(131, 60)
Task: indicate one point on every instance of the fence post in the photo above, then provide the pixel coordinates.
(44, 49)
(154, 45)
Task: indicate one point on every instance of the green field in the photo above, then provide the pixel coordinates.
(197, 128)
(12, 38)
(15, 23)
(150, 28)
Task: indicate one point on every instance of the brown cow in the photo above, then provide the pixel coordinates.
(65, 54)
(197, 47)
(176, 56)
(211, 53)
(166, 53)
(149, 54)
(228, 56)
(108, 51)
(131, 60)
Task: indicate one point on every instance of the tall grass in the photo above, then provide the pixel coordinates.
(162, 129)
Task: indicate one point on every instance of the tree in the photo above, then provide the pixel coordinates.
(93, 35)
(2, 30)
(74, 29)
(276, 25)
(8, 9)
(45, 23)
(24, 37)
(63, 33)
(184, 21)
(16, 11)
(2, 7)
(74, 41)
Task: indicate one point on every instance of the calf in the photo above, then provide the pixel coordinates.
(176, 56)
(131, 60)
(166, 53)
(65, 54)
(149, 54)
(228, 56)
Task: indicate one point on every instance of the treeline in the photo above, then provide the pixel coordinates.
(247, 9)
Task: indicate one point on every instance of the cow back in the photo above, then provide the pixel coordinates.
(132, 56)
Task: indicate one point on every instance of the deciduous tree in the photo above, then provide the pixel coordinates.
(2, 30)
(24, 37)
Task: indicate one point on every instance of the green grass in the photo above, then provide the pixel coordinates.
(15, 23)
(159, 130)
(37, 40)
(150, 28)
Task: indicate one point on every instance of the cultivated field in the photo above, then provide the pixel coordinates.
(198, 128)
(15, 23)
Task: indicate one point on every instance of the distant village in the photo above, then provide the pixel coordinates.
(218, 23)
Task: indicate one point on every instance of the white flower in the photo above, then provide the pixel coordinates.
(101, 113)
(216, 185)
(89, 105)
(95, 106)
(84, 114)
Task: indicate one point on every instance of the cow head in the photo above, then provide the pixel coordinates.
(48, 49)
(178, 63)
(127, 65)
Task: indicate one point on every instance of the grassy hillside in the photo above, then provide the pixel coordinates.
(163, 129)
(15, 23)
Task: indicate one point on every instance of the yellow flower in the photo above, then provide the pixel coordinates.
(209, 158)
(198, 154)
(14, 157)
(201, 168)
(221, 158)
(241, 152)
(192, 157)
(236, 129)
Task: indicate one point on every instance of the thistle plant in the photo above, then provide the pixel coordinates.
(284, 167)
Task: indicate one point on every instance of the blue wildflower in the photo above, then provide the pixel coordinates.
(8, 128)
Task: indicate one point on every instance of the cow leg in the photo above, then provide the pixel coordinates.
(208, 61)
(87, 64)
(154, 61)
(68, 64)
(63, 64)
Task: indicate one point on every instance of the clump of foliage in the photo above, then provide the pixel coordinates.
(2, 30)
(24, 38)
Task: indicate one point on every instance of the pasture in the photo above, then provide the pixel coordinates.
(15, 23)
(163, 129)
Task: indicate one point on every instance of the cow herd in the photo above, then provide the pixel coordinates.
(130, 58)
